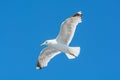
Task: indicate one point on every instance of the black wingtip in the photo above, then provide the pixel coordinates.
(77, 14)
(38, 66)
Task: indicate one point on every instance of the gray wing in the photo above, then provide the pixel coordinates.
(45, 56)
(68, 28)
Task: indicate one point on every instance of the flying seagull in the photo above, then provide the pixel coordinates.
(61, 43)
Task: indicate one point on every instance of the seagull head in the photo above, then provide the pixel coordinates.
(47, 42)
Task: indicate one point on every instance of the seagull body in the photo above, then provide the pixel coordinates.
(61, 43)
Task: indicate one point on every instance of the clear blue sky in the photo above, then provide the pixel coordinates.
(24, 24)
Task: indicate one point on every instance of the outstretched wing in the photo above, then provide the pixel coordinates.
(46, 55)
(68, 28)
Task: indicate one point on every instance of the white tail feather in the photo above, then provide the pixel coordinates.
(73, 50)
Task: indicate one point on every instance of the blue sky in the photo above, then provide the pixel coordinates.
(24, 24)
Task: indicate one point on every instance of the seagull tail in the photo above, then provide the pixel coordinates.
(73, 52)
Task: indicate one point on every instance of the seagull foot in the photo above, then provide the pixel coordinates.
(72, 54)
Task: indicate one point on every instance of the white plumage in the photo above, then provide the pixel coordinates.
(61, 43)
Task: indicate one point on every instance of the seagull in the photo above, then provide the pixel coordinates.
(61, 42)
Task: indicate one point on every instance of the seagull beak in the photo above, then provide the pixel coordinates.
(43, 44)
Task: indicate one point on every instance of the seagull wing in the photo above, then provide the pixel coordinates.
(68, 28)
(46, 55)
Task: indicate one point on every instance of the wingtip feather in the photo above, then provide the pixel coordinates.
(38, 66)
(78, 14)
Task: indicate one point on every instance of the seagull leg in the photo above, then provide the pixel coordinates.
(72, 54)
